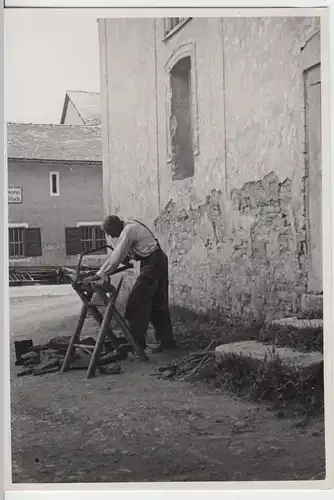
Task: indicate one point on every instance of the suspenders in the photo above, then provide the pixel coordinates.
(149, 230)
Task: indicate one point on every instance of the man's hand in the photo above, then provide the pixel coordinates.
(87, 281)
(126, 262)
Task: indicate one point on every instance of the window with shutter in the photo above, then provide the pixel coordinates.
(73, 241)
(33, 242)
(84, 239)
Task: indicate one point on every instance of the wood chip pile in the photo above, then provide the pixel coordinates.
(48, 358)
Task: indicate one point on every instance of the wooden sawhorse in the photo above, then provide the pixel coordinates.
(108, 294)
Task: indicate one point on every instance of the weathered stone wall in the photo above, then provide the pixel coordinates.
(236, 234)
(235, 231)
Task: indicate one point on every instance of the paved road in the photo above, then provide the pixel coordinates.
(40, 291)
(35, 309)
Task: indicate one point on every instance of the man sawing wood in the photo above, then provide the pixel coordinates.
(148, 300)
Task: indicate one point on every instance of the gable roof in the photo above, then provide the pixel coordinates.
(87, 105)
(54, 142)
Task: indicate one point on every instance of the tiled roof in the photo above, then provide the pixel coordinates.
(54, 142)
(87, 105)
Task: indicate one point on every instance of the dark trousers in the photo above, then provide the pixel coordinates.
(148, 302)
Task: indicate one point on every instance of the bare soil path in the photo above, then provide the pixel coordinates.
(135, 427)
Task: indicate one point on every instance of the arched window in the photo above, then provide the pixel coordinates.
(182, 136)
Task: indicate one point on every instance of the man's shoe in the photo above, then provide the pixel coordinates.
(169, 345)
(153, 348)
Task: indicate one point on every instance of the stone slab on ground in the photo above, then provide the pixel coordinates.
(298, 324)
(258, 350)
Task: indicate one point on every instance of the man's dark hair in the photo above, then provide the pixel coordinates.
(112, 221)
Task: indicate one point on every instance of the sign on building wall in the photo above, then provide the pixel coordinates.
(14, 195)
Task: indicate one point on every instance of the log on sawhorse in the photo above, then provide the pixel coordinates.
(109, 295)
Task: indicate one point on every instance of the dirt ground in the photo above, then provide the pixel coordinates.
(135, 427)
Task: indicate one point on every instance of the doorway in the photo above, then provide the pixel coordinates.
(314, 178)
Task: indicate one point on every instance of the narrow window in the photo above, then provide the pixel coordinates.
(54, 184)
(181, 133)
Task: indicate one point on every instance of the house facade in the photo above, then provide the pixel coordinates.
(54, 193)
(218, 147)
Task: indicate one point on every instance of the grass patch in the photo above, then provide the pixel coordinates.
(305, 340)
(289, 389)
(283, 386)
(195, 331)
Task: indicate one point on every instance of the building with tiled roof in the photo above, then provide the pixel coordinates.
(55, 199)
(54, 142)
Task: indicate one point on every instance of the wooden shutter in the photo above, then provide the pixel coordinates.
(33, 242)
(73, 241)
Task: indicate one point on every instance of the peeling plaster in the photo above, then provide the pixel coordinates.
(244, 267)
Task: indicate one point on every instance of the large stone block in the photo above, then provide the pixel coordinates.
(260, 352)
(299, 324)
